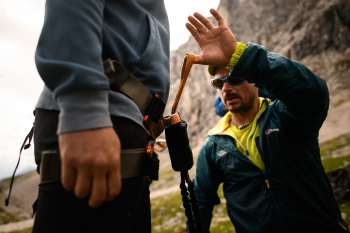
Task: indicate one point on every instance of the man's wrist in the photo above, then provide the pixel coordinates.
(236, 55)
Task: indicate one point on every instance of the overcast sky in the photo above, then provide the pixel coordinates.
(20, 84)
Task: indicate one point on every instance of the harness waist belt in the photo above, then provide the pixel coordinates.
(132, 163)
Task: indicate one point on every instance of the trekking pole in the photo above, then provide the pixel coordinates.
(181, 155)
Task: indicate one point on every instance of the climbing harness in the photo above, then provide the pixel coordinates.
(143, 161)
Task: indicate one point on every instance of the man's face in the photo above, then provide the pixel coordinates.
(238, 98)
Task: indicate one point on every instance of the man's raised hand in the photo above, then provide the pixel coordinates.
(217, 44)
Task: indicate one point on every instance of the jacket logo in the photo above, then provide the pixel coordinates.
(221, 152)
(271, 130)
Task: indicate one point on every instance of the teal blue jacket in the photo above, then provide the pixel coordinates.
(293, 194)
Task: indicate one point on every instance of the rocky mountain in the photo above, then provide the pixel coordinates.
(313, 32)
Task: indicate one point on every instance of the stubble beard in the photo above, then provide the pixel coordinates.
(242, 106)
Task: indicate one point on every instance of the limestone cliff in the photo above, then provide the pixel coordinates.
(314, 32)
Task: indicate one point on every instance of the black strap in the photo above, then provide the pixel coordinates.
(24, 146)
(116, 73)
(121, 80)
(191, 210)
(186, 204)
(195, 207)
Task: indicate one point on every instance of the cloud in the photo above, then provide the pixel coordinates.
(178, 11)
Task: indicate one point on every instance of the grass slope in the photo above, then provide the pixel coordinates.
(27, 230)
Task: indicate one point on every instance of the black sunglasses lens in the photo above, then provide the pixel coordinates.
(217, 83)
(234, 81)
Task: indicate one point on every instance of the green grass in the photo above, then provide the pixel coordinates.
(168, 215)
(331, 164)
(7, 217)
(328, 147)
(27, 230)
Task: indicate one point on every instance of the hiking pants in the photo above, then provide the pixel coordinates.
(59, 210)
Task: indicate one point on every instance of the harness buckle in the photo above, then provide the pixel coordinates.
(155, 109)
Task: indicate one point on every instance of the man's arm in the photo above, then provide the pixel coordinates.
(68, 58)
(304, 97)
(206, 183)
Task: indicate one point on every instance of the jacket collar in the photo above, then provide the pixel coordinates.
(224, 123)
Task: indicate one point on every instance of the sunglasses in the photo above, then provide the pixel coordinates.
(218, 83)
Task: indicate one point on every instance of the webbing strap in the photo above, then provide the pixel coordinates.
(132, 161)
(23, 147)
(122, 80)
(133, 88)
(185, 71)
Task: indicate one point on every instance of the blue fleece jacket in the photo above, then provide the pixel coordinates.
(78, 35)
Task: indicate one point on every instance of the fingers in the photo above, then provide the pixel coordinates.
(218, 17)
(207, 23)
(83, 184)
(200, 25)
(98, 191)
(68, 176)
(114, 185)
(90, 167)
(194, 32)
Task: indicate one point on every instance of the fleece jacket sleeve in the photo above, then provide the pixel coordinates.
(68, 59)
(303, 96)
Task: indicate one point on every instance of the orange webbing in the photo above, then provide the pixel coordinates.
(185, 70)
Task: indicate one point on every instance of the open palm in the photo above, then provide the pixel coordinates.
(217, 44)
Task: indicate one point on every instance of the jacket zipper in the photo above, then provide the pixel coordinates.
(274, 199)
(265, 175)
(267, 183)
(343, 226)
(275, 202)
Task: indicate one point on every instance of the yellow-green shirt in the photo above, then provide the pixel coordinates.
(242, 137)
